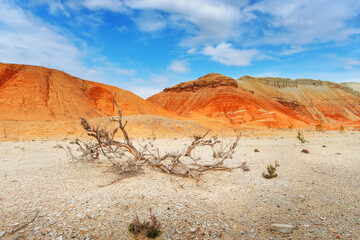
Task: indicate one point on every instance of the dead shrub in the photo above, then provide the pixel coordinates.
(127, 160)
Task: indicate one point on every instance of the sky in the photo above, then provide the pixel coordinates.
(146, 45)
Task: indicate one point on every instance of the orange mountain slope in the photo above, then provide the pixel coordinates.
(217, 96)
(32, 93)
(321, 101)
(252, 101)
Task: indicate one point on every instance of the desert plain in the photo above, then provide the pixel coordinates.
(46, 195)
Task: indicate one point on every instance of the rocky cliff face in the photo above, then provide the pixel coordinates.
(31, 93)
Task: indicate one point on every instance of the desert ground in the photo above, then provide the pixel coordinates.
(46, 195)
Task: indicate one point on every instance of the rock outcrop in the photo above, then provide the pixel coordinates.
(211, 80)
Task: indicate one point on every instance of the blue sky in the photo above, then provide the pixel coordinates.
(146, 45)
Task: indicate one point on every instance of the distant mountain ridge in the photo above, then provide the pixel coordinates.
(287, 82)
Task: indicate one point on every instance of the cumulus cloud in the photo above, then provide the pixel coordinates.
(122, 28)
(144, 92)
(26, 39)
(243, 21)
(226, 54)
(150, 21)
(213, 20)
(307, 21)
(179, 66)
(351, 63)
(113, 5)
(292, 50)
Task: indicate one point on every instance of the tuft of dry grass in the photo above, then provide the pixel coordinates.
(151, 228)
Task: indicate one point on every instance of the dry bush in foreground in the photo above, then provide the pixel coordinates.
(127, 160)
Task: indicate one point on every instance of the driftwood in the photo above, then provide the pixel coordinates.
(127, 160)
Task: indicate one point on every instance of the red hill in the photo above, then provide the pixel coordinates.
(261, 102)
(32, 93)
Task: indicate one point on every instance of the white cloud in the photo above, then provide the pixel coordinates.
(211, 21)
(226, 54)
(191, 51)
(292, 50)
(55, 6)
(180, 66)
(350, 63)
(307, 21)
(202, 20)
(113, 5)
(144, 92)
(122, 28)
(159, 78)
(123, 71)
(26, 39)
(150, 21)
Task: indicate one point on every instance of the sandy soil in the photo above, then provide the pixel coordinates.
(318, 193)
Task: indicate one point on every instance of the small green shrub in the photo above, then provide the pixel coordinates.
(152, 233)
(271, 172)
(300, 136)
